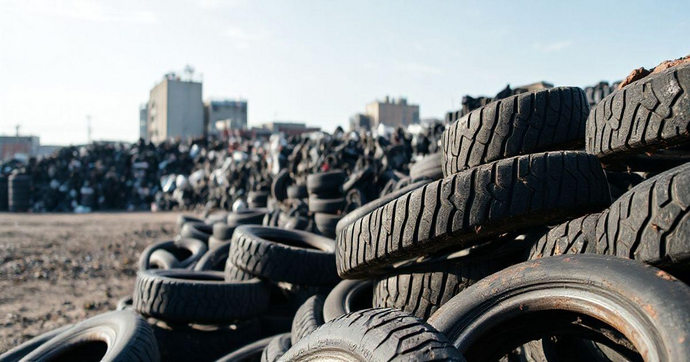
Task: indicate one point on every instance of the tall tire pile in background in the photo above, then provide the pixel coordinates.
(4, 193)
(502, 244)
(19, 192)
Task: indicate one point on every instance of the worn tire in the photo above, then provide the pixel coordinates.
(276, 348)
(649, 114)
(570, 295)
(223, 231)
(358, 179)
(308, 317)
(195, 230)
(284, 255)
(326, 224)
(650, 223)
(430, 167)
(17, 353)
(347, 297)
(297, 192)
(183, 296)
(280, 184)
(172, 254)
(183, 219)
(326, 206)
(113, 336)
(378, 334)
(249, 353)
(326, 184)
(537, 121)
(478, 204)
(214, 259)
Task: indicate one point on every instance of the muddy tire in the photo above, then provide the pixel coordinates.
(606, 299)
(378, 334)
(308, 317)
(284, 255)
(113, 336)
(472, 206)
(537, 121)
(182, 296)
(649, 114)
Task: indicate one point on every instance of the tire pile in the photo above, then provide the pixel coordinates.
(504, 245)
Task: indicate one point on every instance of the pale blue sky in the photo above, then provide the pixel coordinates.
(312, 61)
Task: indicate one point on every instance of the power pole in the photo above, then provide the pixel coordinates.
(17, 129)
(88, 129)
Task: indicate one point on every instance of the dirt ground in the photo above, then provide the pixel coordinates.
(57, 269)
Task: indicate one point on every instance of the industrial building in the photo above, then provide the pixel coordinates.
(19, 147)
(222, 115)
(392, 112)
(175, 109)
(289, 128)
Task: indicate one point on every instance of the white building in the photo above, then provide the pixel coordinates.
(175, 109)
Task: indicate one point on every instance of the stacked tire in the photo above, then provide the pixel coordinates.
(19, 192)
(4, 193)
(326, 200)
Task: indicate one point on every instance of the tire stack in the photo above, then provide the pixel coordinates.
(258, 199)
(326, 200)
(4, 193)
(222, 230)
(19, 195)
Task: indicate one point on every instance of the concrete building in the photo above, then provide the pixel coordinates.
(21, 147)
(360, 122)
(392, 112)
(289, 128)
(175, 109)
(143, 121)
(225, 115)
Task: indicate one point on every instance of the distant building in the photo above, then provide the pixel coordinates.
(18, 146)
(225, 115)
(392, 112)
(289, 128)
(360, 122)
(143, 121)
(175, 109)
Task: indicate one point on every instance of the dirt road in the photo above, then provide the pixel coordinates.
(57, 269)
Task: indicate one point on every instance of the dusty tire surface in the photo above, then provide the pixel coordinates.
(197, 296)
(651, 113)
(308, 317)
(291, 256)
(276, 348)
(113, 336)
(650, 223)
(17, 353)
(379, 334)
(471, 206)
(543, 120)
(587, 294)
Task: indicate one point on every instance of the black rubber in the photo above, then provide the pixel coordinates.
(180, 342)
(172, 254)
(113, 336)
(347, 297)
(422, 292)
(257, 198)
(213, 242)
(308, 317)
(17, 353)
(215, 217)
(280, 184)
(223, 231)
(326, 184)
(284, 255)
(196, 230)
(297, 192)
(649, 114)
(608, 299)
(214, 259)
(197, 296)
(537, 121)
(359, 179)
(235, 274)
(375, 204)
(650, 223)
(430, 167)
(183, 219)
(374, 335)
(125, 303)
(249, 353)
(276, 348)
(247, 217)
(326, 224)
(327, 206)
(475, 205)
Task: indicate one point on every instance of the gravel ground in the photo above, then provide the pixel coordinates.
(57, 269)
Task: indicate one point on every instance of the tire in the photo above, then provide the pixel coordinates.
(18, 352)
(326, 224)
(650, 223)
(276, 348)
(422, 292)
(222, 231)
(163, 259)
(258, 198)
(214, 259)
(216, 217)
(202, 342)
(649, 114)
(112, 336)
(593, 297)
(326, 206)
(195, 230)
(430, 167)
(503, 196)
(280, 184)
(235, 274)
(183, 296)
(358, 179)
(213, 242)
(271, 219)
(172, 254)
(249, 353)
(247, 217)
(537, 121)
(375, 204)
(326, 184)
(183, 219)
(347, 297)
(375, 335)
(294, 222)
(284, 255)
(297, 192)
(125, 303)
(308, 317)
